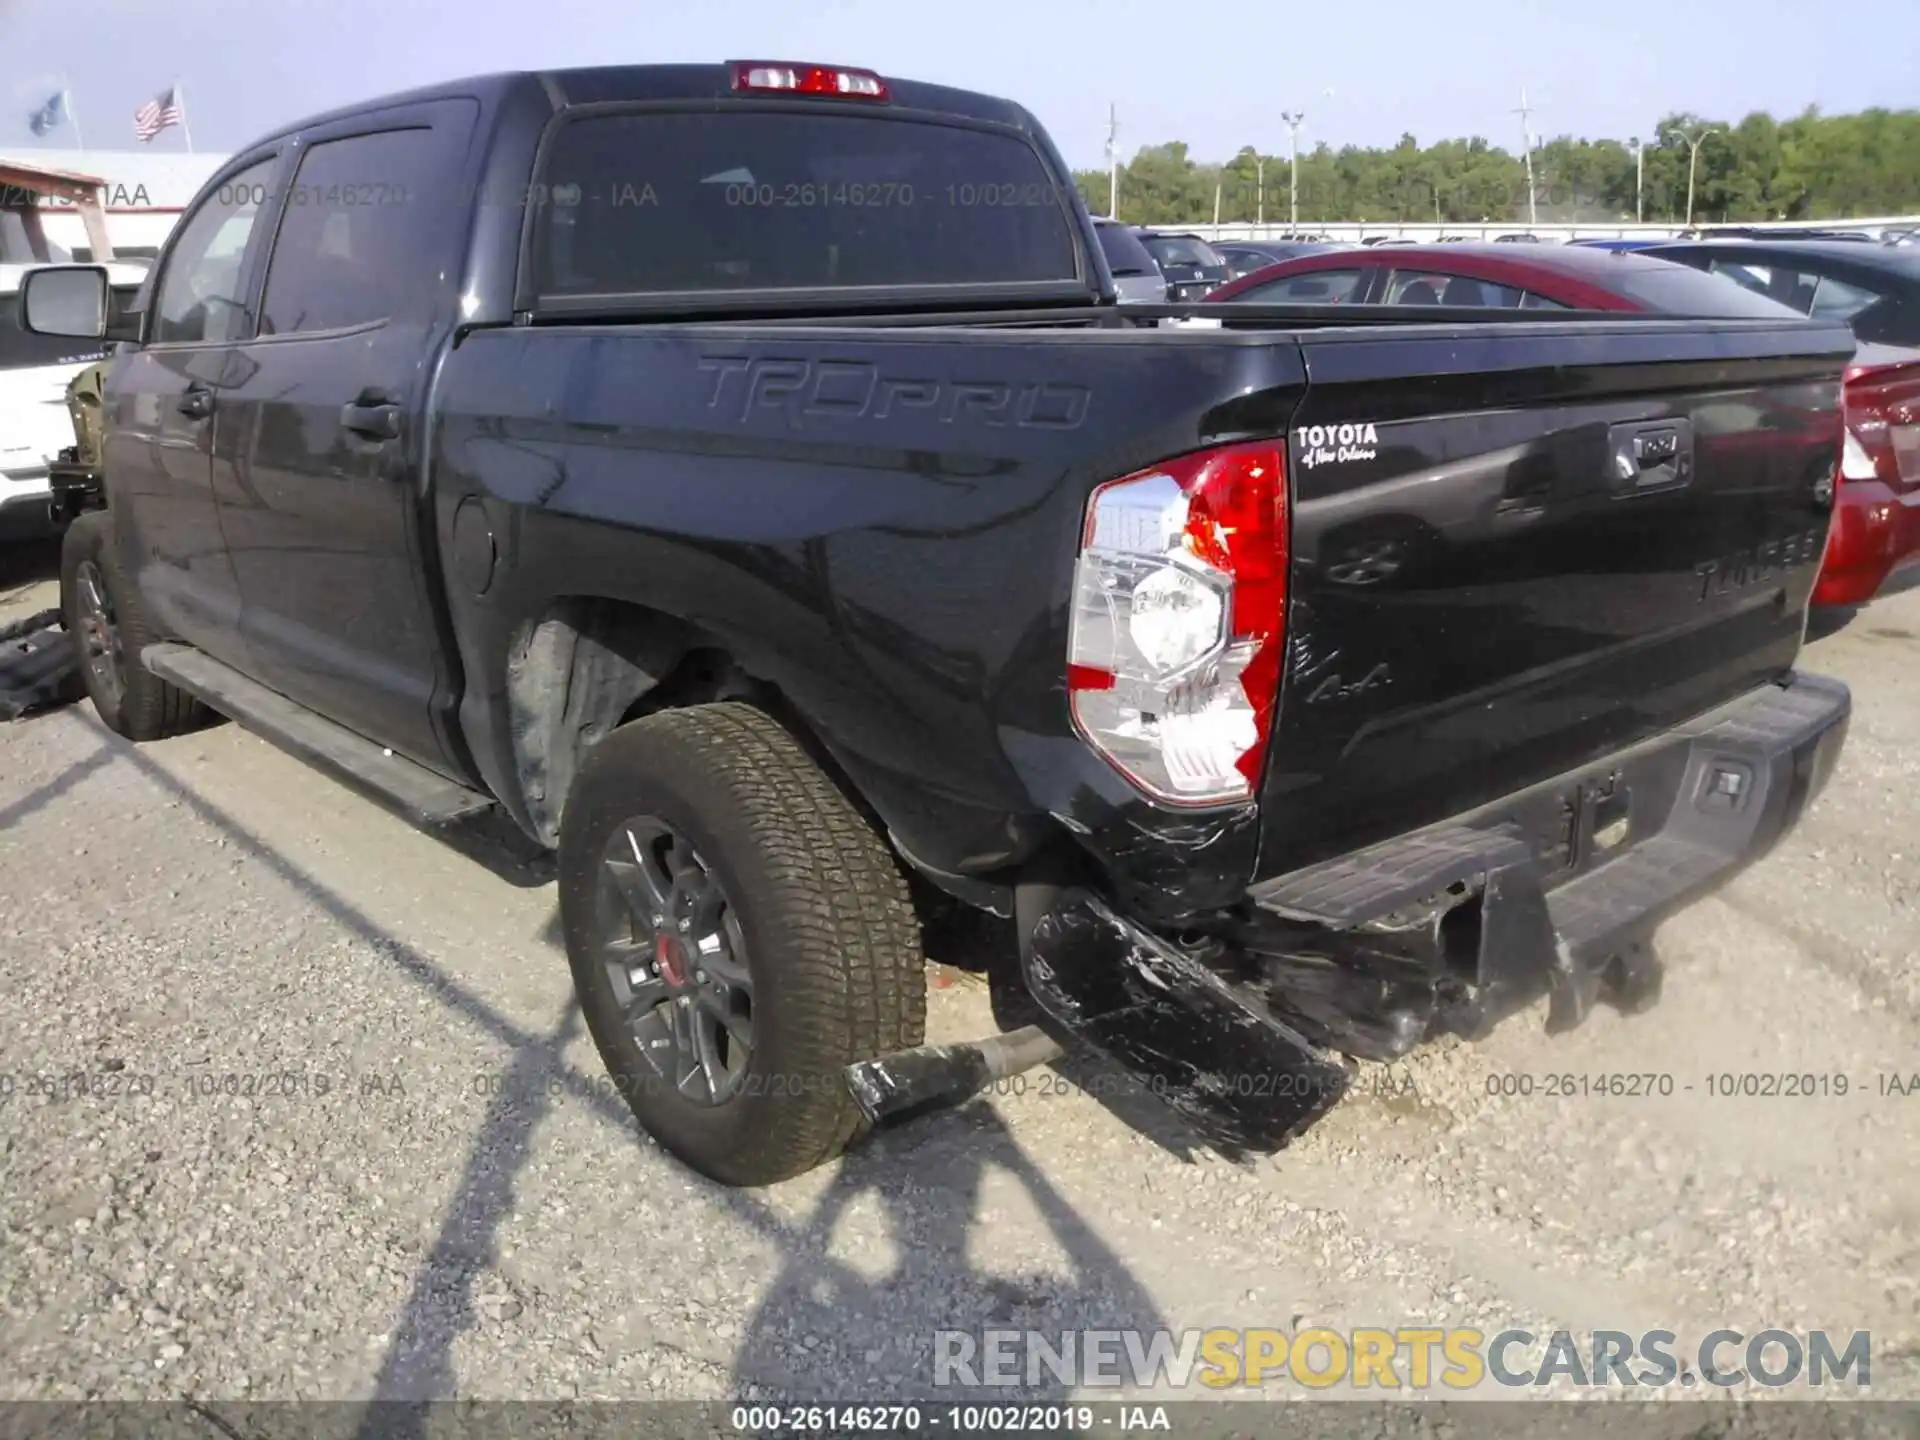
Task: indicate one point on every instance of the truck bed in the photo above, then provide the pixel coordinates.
(880, 516)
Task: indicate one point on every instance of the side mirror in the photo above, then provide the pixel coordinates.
(65, 300)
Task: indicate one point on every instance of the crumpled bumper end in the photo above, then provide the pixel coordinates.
(1246, 1032)
(39, 666)
(1242, 1079)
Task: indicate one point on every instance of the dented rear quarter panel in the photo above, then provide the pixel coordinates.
(881, 525)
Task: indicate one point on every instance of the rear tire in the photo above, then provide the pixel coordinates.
(794, 894)
(103, 612)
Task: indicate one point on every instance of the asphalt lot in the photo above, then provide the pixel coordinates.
(463, 1211)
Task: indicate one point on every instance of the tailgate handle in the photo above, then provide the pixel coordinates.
(1650, 455)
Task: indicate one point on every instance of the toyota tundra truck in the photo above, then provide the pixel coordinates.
(738, 483)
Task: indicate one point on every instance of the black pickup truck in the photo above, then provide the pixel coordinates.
(739, 481)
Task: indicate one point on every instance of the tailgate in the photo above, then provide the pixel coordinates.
(1518, 549)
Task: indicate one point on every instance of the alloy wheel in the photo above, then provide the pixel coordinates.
(671, 943)
(99, 637)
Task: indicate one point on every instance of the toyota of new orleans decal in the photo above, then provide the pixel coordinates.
(1335, 444)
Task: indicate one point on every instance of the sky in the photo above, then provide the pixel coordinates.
(1217, 77)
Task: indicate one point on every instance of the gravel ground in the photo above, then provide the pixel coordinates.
(466, 1210)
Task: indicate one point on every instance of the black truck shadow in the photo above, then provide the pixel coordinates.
(871, 1335)
(915, 1330)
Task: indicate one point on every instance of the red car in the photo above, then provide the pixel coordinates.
(1876, 524)
(1876, 519)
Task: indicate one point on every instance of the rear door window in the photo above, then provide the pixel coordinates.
(1783, 284)
(1536, 301)
(1414, 287)
(1244, 262)
(1125, 254)
(1180, 250)
(1837, 300)
(1314, 287)
(753, 200)
(350, 250)
(1681, 290)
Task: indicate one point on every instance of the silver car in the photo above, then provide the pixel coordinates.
(1136, 275)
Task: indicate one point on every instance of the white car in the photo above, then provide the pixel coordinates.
(34, 424)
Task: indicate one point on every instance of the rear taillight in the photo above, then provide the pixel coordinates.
(798, 79)
(1883, 425)
(1179, 613)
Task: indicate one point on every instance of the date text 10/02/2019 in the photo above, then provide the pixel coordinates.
(906, 1419)
(1715, 1085)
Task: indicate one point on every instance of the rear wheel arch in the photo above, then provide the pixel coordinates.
(573, 671)
(585, 665)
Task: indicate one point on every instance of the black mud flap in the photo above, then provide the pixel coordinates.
(39, 666)
(1245, 1082)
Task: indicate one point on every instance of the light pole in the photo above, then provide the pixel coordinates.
(1526, 137)
(1294, 119)
(1639, 181)
(1113, 162)
(1693, 161)
(1260, 189)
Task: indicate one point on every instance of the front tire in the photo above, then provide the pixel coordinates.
(102, 610)
(738, 936)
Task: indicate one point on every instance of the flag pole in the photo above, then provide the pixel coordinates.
(66, 98)
(180, 99)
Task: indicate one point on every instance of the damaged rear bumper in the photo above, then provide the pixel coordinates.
(39, 666)
(1553, 891)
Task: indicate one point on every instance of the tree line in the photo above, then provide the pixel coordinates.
(1812, 167)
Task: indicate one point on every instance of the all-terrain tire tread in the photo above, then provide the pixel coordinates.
(855, 976)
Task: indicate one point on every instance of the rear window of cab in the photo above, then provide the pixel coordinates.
(671, 202)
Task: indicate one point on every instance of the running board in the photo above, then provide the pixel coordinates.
(416, 793)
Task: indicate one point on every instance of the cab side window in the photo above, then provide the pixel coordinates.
(353, 236)
(1312, 287)
(200, 299)
(1413, 287)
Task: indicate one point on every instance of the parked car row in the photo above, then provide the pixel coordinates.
(1156, 267)
(1873, 289)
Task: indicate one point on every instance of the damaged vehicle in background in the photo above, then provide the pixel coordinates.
(34, 423)
(780, 573)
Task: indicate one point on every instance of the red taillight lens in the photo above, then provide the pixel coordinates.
(798, 79)
(1179, 615)
(1883, 425)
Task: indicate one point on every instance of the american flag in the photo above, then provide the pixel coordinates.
(154, 116)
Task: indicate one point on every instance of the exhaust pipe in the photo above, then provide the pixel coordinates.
(910, 1083)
